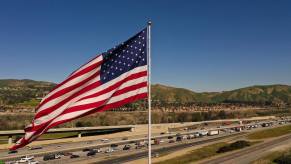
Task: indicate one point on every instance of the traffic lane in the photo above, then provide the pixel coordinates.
(120, 152)
(60, 146)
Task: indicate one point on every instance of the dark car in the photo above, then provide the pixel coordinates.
(12, 151)
(171, 141)
(113, 145)
(35, 148)
(74, 156)
(170, 137)
(86, 149)
(91, 153)
(49, 157)
(179, 138)
(126, 147)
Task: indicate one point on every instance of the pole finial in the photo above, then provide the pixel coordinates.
(149, 22)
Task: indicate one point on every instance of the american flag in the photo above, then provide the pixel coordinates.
(110, 80)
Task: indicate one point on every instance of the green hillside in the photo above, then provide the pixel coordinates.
(22, 92)
(28, 93)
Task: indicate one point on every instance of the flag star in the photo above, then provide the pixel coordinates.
(142, 31)
(142, 38)
(143, 45)
(127, 58)
(132, 59)
(128, 65)
(139, 49)
(123, 50)
(135, 41)
(120, 69)
(143, 59)
(143, 52)
(135, 47)
(127, 51)
(139, 36)
(112, 73)
(136, 61)
(131, 52)
(136, 54)
(139, 42)
(131, 46)
(127, 45)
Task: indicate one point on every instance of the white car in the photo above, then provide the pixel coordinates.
(105, 140)
(25, 159)
(109, 150)
(33, 162)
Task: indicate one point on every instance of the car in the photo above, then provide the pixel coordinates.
(156, 155)
(125, 138)
(162, 133)
(113, 145)
(171, 141)
(35, 148)
(170, 137)
(74, 156)
(26, 158)
(67, 154)
(49, 157)
(91, 153)
(109, 150)
(12, 152)
(98, 150)
(126, 147)
(86, 149)
(105, 140)
(59, 146)
(33, 162)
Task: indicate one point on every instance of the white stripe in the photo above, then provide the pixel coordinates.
(55, 113)
(111, 100)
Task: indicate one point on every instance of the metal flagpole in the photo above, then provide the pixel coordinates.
(149, 91)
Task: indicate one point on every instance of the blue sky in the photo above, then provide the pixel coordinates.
(203, 45)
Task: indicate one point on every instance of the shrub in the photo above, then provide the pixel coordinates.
(233, 146)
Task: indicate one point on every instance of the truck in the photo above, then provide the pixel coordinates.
(213, 132)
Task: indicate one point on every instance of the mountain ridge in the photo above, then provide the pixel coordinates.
(28, 92)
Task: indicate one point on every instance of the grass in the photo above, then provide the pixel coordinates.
(270, 133)
(195, 155)
(268, 159)
(201, 153)
(58, 135)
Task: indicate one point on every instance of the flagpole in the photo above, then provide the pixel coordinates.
(149, 91)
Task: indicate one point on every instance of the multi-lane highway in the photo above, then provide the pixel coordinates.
(167, 143)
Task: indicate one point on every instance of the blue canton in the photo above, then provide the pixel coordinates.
(124, 57)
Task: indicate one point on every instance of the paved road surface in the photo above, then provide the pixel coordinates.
(250, 154)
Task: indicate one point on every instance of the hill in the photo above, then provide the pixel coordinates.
(23, 92)
(28, 93)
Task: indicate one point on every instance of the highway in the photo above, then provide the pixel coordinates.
(121, 155)
(250, 154)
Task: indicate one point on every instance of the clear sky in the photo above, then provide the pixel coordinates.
(203, 45)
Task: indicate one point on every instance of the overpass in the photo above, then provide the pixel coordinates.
(80, 130)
